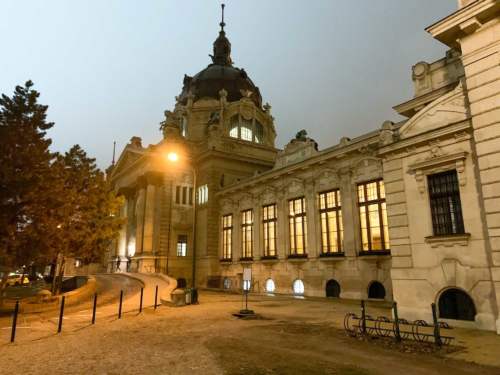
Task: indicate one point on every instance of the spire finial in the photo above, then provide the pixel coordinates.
(222, 24)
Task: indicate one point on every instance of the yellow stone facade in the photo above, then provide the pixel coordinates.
(361, 219)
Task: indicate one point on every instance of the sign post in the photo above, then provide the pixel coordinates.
(247, 284)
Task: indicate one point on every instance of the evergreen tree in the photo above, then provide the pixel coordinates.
(25, 177)
(51, 205)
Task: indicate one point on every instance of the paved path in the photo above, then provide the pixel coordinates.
(35, 326)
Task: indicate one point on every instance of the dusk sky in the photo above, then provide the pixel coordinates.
(109, 69)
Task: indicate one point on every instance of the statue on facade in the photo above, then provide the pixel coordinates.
(301, 135)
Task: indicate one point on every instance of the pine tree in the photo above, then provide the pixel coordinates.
(52, 206)
(25, 170)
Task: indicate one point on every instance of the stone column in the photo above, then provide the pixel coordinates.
(282, 230)
(350, 216)
(311, 213)
(140, 206)
(257, 228)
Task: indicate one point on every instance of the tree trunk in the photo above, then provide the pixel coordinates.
(3, 285)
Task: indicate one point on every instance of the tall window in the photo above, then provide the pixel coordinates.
(202, 194)
(184, 195)
(247, 130)
(446, 208)
(373, 216)
(330, 212)
(269, 222)
(227, 237)
(184, 126)
(182, 241)
(298, 226)
(246, 234)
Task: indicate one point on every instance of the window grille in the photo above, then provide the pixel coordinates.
(446, 209)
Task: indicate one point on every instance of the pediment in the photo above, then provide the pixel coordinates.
(128, 157)
(446, 110)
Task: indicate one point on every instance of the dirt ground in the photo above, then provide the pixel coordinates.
(294, 336)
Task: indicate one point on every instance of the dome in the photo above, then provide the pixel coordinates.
(221, 74)
(215, 77)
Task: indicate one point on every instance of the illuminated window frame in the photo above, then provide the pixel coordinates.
(297, 219)
(269, 226)
(182, 241)
(247, 234)
(372, 194)
(203, 194)
(227, 237)
(330, 209)
(246, 130)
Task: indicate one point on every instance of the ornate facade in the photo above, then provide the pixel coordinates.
(409, 212)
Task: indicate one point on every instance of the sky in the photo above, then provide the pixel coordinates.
(109, 69)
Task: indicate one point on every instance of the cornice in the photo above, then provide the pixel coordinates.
(408, 108)
(444, 131)
(462, 22)
(332, 153)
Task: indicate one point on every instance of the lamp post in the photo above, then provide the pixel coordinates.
(173, 157)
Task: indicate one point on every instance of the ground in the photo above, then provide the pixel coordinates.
(294, 336)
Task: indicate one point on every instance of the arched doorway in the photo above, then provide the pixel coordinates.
(332, 289)
(456, 304)
(376, 290)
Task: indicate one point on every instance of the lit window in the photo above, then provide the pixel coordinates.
(247, 130)
(331, 222)
(446, 208)
(373, 216)
(227, 236)
(298, 226)
(202, 194)
(270, 287)
(246, 234)
(181, 245)
(298, 287)
(269, 223)
(184, 195)
(227, 283)
(184, 126)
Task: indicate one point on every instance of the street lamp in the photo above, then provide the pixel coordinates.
(173, 157)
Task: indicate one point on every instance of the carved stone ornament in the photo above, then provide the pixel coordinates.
(437, 164)
(387, 134)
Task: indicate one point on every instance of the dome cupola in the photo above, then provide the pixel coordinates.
(221, 74)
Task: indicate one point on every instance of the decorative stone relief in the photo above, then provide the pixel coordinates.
(436, 164)
(295, 185)
(387, 134)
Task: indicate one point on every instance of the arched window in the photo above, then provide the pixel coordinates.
(376, 290)
(227, 283)
(456, 304)
(298, 287)
(332, 288)
(247, 130)
(270, 287)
